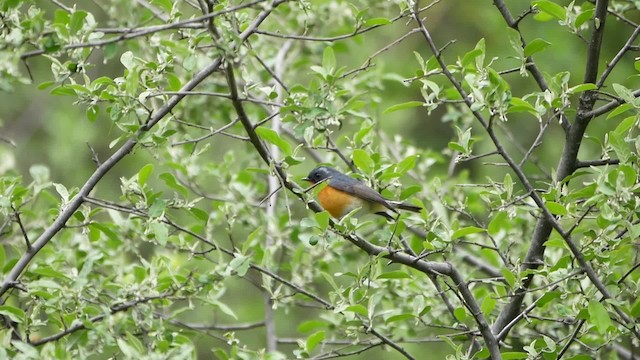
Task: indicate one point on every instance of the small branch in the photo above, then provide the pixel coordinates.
(135, 33)
(367, 62)
(505, 330)
(62, 6)
(16, 213)
(112, 310)
(536, 143)
(197, 140)
(602, 162)
(344, 36)
(460, 159)
(59, 223)
(612, 64)
(391, 343)
(215, 94)
(215, 327)
(8, 141)
(94, 155)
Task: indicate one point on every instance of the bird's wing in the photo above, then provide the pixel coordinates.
(360, 190)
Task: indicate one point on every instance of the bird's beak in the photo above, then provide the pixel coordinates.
(306, 179)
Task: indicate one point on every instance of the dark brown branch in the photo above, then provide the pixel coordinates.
(567, 165)
(112, 310)
(135, 33)
(344, 36)
(612, 64)
(530, 65)
(10, 280)
(602, 162)
(22, 229)
(608, 106)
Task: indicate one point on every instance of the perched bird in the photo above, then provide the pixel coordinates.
(344, 194)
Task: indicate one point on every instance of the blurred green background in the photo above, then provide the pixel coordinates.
(53, 131)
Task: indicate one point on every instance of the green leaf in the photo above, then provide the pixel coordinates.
(63, 91)
(599, 316)
(400, 317)
(466, 231)
(635, 309)
(548, 297)
(311, 325)
(92, 112)
(488, 304)
(620, 147)
(413, 189)
(512, 355)
(460, 313)
(3, 256)
(358, 309)
(407, 164)
(625, 93)
(551, 8)
(406, 105)
(129, 351)
(62, 191)
(127, 60)
(508, 276)
(109, 51)
(160, 232)
(555, 208)
(314, 340)
(394, 275)
(171, 182)
(582, 87)
(535, 46)
(362, 160)
(329, 60)
(470, 57)
(584, 17)
(157, 208)
(275, 139)
(379, 21)
(457, 147)
(322, 218)
(77, 20)
(500, 221)
(240, 264)
(136, 343)
(619, 110)
(144, 173)
(13, 313)
(26, 350)
(518, 105)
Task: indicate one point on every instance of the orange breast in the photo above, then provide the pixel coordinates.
(338, 203)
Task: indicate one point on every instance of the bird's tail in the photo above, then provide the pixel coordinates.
(406, 206)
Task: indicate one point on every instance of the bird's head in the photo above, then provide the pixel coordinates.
(320, 173)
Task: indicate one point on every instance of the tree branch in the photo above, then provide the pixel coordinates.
(123, 151)
(135, 33)
(112, 310)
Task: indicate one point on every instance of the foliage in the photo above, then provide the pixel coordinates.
(192, 234)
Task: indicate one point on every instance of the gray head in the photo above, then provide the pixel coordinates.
(320, 173)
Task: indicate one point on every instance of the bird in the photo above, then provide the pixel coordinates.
(344, 194)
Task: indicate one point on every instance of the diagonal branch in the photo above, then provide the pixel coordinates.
(567, 165)
(530, 65)
(66, 213)
(112, 310)
(612, 64)
(426, 267)
(135, 33)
